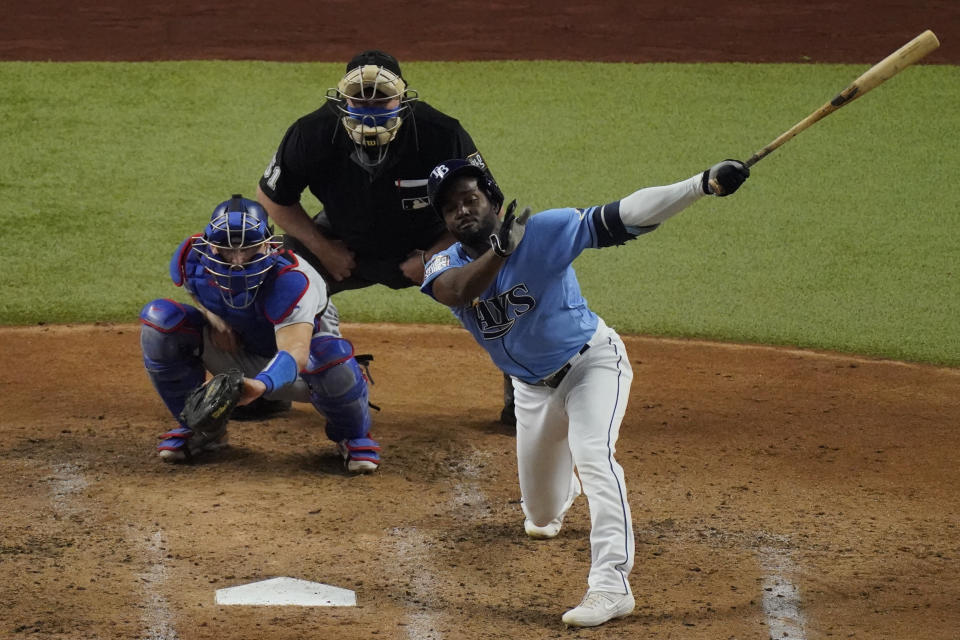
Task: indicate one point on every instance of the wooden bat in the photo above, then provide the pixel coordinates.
(879, 73)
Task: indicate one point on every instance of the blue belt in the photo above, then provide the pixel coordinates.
(554, 379)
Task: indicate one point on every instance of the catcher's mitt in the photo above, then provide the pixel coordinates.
(209, 406)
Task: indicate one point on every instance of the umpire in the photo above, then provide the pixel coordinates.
(365, 154)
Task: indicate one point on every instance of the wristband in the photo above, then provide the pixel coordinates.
(280, 371)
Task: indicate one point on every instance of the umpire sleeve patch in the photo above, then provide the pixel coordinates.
(437, 263)
(476, 160)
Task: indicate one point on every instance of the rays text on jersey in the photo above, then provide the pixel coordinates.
(496, 315)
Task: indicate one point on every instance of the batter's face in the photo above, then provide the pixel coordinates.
(469, 214)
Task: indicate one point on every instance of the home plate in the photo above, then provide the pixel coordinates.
(287, 592)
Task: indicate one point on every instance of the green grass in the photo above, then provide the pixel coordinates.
(843, 239)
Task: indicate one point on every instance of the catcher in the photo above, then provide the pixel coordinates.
(262, 323)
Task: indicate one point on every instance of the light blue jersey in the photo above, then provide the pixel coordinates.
(533, 318)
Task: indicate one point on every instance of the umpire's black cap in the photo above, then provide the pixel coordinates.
(377, 58)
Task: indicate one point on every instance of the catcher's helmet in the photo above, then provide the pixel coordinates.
(444, 174)
(372, 98)
(237, 250)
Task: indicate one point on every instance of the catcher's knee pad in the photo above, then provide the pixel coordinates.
(171, 339)
(338, 388)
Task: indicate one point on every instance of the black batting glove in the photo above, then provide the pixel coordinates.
(505, 240)
(725, 177)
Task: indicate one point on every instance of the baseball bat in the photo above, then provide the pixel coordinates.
(876, 75)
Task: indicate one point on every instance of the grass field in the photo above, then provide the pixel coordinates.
(843, 239)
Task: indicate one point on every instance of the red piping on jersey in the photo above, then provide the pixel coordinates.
(185, 250)
(294, 263)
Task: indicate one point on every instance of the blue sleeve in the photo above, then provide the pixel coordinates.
(557, 236)
(441, 261)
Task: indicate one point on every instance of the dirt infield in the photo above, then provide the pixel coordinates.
(775, 492)
(746, 466)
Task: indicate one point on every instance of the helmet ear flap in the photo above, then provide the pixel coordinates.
(490, 187)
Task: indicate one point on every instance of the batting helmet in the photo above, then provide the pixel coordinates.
(446, 172)
(372, 98)
(237, 250)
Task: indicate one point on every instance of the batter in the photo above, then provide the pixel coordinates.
(511, 284)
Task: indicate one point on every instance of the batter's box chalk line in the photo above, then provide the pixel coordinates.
(287, 592)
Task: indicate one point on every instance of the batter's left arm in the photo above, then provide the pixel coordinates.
(651, 206)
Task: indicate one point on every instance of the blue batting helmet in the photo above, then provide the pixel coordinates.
(446, 172)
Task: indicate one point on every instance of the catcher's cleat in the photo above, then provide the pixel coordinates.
(598, 607)
(178, 445)
(360, 455)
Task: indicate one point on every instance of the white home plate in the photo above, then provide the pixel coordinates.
(287, 592)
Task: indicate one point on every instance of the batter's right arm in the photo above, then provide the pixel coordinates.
(459, 286)
(336, 258)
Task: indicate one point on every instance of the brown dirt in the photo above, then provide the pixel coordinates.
(862, 31)
(736, 457)
(746, 465)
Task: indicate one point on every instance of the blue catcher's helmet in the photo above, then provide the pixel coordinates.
(447, 171)
(237, 250)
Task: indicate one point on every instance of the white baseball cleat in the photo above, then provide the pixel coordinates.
(598, 607)
(552, 528)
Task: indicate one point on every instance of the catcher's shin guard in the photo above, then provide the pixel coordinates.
(338, 390)
(171, 339)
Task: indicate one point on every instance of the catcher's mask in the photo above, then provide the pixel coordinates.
(237, 250)
(372, 99)
(444, 174)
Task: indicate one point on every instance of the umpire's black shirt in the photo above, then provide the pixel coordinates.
(380, 213)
